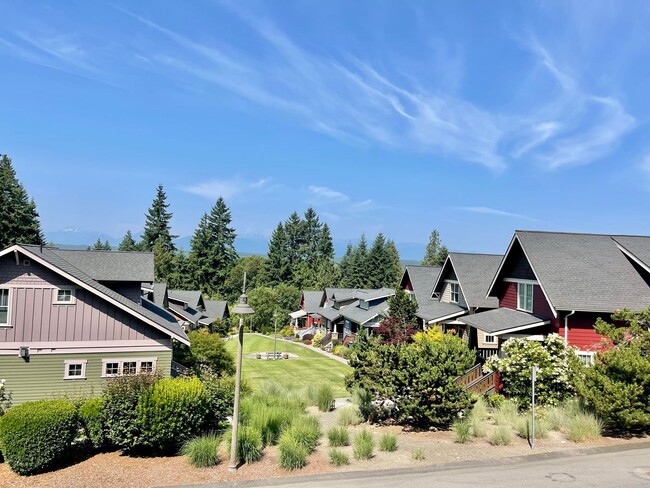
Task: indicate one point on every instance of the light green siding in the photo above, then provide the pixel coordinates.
(42, 376)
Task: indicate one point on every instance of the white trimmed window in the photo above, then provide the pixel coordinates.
(525, 297)
(119, 367)
(490, 339)
(454, 288)
(64, 296)
(75, 369)
(4, 306)
(586, 357)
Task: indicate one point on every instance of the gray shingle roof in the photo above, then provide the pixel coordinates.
(191, 297)
(214, 309)
(422, 278)
(502, 320)
(164, 320)
(475, 273)
(329, 313)
(110, 265)
(435, 310)
(360, 316)
(585, 272)
(638, 246)
(312, 300)
(187, 313)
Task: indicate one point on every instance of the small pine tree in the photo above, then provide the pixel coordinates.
(101, 246)
(435, 253)
(157, 223)
(128, 244)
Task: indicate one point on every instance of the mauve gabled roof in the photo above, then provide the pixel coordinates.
(110, 265)
(585, 272)
(474, 273)
(422, 278)
(312, 300)
(637, 246)
(161, 318)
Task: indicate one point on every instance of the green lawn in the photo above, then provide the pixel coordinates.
(311, 367)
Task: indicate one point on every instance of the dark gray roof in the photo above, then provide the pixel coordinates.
(436, 310)
(637, 246)
(474, 273)
(370, 295)
(329, 313)
(214, 309)
(55, 259)
(585, 272)
(191, 297)
(110, 265)
(159, 291)
(422, 278)
(503, 320)
(360, 316)
(312, 300)
(187, 313)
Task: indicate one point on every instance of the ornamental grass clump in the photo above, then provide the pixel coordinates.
(348, 416)
(479, 410)
(338, 436)
(525, 428)
(324, 398)
(36, 436)
(292, 453)
(306, 430)
(388, 443)
(363, 446)
(338, 457)
(202, 451)
(584, 427)
(477, 425)
(502, 436)
(462, 431)
(249, 444)
(418, 454)
(507, 414)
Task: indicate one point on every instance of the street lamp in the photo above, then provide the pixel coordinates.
(242, 308)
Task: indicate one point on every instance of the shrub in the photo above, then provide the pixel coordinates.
(338, 457)
(172, 411)
(337, 350)
(325, 398)
(5, 398)
(525, 428)
(286, 331)
(338, 436)
(477, 425)
(348, 416)
(502, 436)
(583, 427)
(388, 443)
(363, 401)
(221, 395)
(202, 452)
(316, 341)
(558, 364)
(507, 413)
(495, 400)
(364, 445)
(418, 454)
(249, 444)
(345, 352)
(91, 416)
(305, 429)
(462, 431)
(35, 436)
(292, 453)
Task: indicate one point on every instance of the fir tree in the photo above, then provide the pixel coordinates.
(163, 262)
(18, 216)
(394, 273)
(278, 264)
(435, 253)
(312, 229)
(128, 244)
(325, 244)
(402, 308)
(101, 246)
(345, 266)
(358, 277)
(378, 272)
(156, 226)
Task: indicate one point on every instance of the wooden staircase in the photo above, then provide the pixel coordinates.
(475, 381)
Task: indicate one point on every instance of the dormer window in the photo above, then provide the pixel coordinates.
(525, 297)
(454, 289)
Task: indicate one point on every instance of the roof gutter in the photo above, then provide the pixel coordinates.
(566, 326)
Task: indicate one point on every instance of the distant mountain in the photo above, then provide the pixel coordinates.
(245, 245)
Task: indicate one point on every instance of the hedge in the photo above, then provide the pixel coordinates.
(91, 416)
(35, 436)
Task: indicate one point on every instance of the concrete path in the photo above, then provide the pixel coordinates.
(618, 466)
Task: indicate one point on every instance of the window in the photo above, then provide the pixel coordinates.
(586, 358)
(64, 296)
(75, 369)
(490, 339)
(4, 306)
(525, 297)
(119, 367)
(454, 292)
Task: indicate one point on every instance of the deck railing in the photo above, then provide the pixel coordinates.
(470, 376)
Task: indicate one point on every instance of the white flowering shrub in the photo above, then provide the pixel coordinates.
(5, 398)
(558, 365)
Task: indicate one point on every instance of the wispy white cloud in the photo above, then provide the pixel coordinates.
(497, 212)
(228, 188)
(328, 193)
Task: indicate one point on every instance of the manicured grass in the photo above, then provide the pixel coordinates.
(310, 368)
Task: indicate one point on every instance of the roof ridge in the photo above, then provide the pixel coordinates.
(476, 253)
(577, 233)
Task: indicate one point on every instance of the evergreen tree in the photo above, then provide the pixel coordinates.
(395, 271)
(128, 244)
(359, 267)
(312, 229)
(435, 253)
(278, 264)
(156, 226)
(199, 254)
(18, 216)
(378, 272)
(345, 266)
(296, 240)
(402, 308)
(325, 244)
(163, 262)
(101, 246)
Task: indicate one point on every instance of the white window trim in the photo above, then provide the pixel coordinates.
(68, 362)
(9, 297)
(121, 362)
(585, 354)
(451, 292)
(73, 297)
(492, 337)
(532, 296)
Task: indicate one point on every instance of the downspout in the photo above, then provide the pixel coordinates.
(566, 326)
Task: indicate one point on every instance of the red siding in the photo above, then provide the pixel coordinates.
(582, 333)
(540, 305)
(508, 298)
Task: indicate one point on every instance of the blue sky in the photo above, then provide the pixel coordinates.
(473, 118)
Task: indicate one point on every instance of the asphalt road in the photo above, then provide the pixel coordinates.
(604, 468)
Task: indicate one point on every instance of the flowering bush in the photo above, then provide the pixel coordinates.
(558, 367)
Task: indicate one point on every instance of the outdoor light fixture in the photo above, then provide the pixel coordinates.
(23, 352)
(242, 308)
